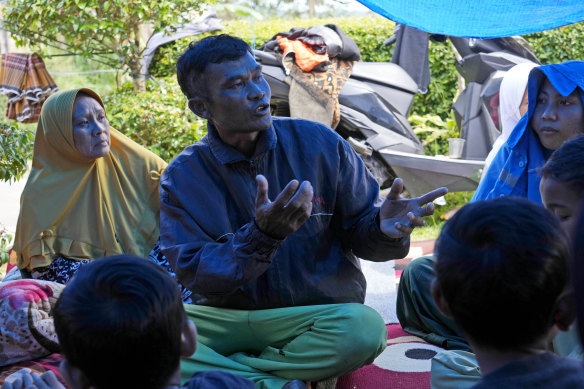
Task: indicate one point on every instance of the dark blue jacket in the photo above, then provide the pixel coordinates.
(209, 235)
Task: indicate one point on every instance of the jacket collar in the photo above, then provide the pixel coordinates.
(226, 154)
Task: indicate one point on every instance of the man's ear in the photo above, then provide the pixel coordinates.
(188, 339)
(565, 313)
(439, 298)
(73, 376)
(199, 107)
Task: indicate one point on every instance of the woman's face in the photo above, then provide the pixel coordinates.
(91, 132)
(562, 201)
(557, 118)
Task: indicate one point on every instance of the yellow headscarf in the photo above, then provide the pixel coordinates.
(83, 208)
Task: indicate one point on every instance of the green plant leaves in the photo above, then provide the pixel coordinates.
(158, 119)
(88, 27)
(15, 150)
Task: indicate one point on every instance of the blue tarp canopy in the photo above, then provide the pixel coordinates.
(480, 18)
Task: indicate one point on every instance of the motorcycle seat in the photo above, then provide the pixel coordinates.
(384, 73)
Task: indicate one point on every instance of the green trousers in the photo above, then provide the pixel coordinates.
(416, 311)
(274, 346)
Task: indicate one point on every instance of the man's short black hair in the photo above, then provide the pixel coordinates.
(211, 49)
(120, 320)
(501, 265)
(566, 164)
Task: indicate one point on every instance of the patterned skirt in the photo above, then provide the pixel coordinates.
(62, 269)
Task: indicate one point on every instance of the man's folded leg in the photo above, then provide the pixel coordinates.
(207, 359)
(316, 342)
(308, 343)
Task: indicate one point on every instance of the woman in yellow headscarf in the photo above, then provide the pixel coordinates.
(91, 192)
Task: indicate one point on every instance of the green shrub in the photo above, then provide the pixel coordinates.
(434, 132)
(15, 150)
(368, 32)
(6, 239)
(552, 46)
(159, 119)
(371, 32)
(558, 45)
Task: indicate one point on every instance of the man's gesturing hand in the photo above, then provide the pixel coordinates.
(287, 212)
(399, 216)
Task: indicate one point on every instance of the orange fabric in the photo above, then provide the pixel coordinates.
(305, 58)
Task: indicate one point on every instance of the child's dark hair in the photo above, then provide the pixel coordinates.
(211, 49)
(119, 321)
(566, 164)
(501, 265)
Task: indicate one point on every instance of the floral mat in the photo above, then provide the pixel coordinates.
(404, 364)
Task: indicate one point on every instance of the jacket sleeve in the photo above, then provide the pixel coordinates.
(357, 206)
(207, 266)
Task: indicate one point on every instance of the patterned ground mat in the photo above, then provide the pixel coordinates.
(417, 249)
(404, 364)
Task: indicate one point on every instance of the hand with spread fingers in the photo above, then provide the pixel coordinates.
(399, 216)
(287, 213)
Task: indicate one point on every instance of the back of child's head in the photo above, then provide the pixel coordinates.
(119, 321)
(501, 266)
(566, 164)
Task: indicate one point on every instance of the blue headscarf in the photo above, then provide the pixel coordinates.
(515, 169)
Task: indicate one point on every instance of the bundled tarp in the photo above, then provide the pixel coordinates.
(480, 18)
(27, 83)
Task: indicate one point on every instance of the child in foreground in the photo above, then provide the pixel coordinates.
(121, 324)
(502, 274)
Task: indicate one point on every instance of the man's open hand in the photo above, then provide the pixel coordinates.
(287, 213)
(399, 216)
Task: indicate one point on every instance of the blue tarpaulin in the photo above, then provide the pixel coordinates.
(480, 18)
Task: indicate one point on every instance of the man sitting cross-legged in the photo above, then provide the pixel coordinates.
(264, 220)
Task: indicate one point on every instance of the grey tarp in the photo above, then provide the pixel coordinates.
(207, 22)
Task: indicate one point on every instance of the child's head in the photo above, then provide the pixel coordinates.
(502, 273)
(121, 324)
(562, 185)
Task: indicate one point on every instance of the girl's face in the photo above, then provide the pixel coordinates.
(557, 118)
(562, 201)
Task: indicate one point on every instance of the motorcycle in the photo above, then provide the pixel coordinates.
(376, 100)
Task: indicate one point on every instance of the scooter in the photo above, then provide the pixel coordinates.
(376, 100)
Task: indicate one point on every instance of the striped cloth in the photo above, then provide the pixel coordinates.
(27, 83)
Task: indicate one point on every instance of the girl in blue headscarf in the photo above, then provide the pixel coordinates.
(555, 114)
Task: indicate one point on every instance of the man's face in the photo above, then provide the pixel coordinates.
(238, 97)
(557, 118)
